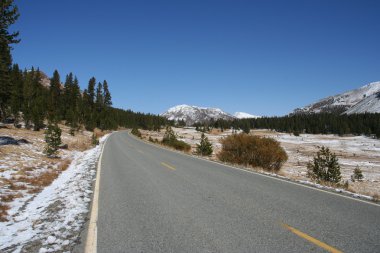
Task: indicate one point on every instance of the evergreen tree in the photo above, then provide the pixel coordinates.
(8, 16)
(28, 97)
(73, 110)
(38, 102)
(67, 97)
(107, 100)
(98, 104)
(54, 101)
(325, 167)
(358, 174)
(52, 139)
(204, 148)
(17, 93)
(169, 135)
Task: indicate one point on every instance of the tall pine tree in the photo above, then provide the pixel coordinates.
(8, 16)
(54, 100)
(17, 93)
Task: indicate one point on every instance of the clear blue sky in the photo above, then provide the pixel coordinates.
(260, 57)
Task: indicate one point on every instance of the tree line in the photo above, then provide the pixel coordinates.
(23, 97)
(321, 123)
(33, 103)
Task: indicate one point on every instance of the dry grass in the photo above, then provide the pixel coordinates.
(3, 212)
(99, 133)
(28, 170)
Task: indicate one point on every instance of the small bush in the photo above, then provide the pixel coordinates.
(94, 140)
(136, 132)
(170, 140)
(324, 167)
(204, 148)
(253, 150)
(53, 140)
(358, 174)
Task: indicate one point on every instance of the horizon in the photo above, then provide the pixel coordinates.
(260, 58)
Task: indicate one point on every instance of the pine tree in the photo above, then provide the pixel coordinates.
(52, 139)
(17, 93)
(98, 105)
(54, 102)
(169, 135)
(38, 102)
(75, 98)
(88, 105)
(357, 175)
(325, 167)
(107, 100)
(67, 97)
(204, 148)
(28, 97)
(9, 15)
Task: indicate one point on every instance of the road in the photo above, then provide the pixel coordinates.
(155, 200)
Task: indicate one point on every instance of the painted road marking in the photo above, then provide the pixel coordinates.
(311, 239)
(168, 166)
(92, 234)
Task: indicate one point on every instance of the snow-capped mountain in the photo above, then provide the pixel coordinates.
(364, 99)
(244, 115)
(194, 114)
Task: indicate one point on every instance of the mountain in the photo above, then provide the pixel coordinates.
(244, 115)
(364, 99)
(194, 114)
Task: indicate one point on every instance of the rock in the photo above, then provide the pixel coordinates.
(51, 239)
(6, 140)
(23, 141)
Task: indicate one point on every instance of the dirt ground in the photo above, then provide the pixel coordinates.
(351, 151)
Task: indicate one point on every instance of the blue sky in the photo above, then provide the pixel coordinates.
(260, 57)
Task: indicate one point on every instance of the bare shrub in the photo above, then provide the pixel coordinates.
(3, 212)
(253, 150)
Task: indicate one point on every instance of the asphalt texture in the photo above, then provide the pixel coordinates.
(156, 200)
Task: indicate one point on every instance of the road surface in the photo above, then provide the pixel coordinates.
(155, 200)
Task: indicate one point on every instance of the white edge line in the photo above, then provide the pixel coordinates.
(92, 234)
(288, 180)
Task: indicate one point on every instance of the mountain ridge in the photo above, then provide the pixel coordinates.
(360, 100)
(195, 114)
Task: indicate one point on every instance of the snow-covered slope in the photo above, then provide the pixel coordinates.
(346, 102)
(193, 114)
(244, 115)
(369, 104)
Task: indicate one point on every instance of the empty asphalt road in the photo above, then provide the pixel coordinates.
(155, 200)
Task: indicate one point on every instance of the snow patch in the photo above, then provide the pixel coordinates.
(55, 216)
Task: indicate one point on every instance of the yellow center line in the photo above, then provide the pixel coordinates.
(311, 239)
(168, 166)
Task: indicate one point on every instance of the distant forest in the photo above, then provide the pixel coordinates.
(322, 123)
(25, 97)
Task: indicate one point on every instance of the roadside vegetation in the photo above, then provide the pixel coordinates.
(204, 148)
(324, 167)
(136, 132)
(170, 140)
(254, 151)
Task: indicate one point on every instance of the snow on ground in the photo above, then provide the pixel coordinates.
(39, 194)
(351, 151)
(51, 220)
